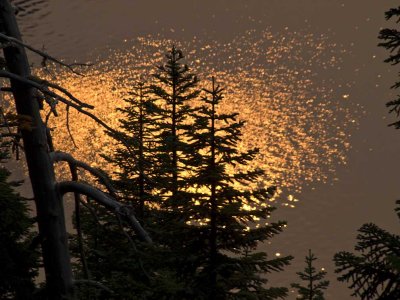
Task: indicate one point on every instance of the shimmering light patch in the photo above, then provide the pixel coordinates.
(299, 121)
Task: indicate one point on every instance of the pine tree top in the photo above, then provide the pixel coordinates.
(314, 283)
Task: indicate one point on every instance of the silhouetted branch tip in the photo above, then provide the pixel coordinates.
(13, 41)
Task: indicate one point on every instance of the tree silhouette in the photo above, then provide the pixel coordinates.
(391, 41)
(225, 191)
(18, 256)
(213, 237)
(175, 87)
(134, 157)
(374, 274)
(315, 285)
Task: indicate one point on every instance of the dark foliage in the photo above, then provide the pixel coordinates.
(126, 267)
(134, 158)
(375, 272)
(175, 88)
(314, 285)
(18, 258)
(228, 262)
(391, 41)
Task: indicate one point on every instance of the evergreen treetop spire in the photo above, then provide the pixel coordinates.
(314, 283)
(175, 87)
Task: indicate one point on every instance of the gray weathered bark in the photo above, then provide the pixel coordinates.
(59, 284)
(106, 201)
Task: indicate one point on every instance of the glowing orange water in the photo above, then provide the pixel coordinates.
(299, 123)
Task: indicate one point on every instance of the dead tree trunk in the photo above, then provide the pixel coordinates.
(50, 212)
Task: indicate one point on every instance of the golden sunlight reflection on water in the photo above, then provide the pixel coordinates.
(300, 123)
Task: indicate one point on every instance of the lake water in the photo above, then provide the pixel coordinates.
(311, 88)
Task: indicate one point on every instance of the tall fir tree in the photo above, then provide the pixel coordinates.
(228, 265)
(314, 281)
(134, 157)
(175, 88)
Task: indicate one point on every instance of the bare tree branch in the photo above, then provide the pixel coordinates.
(69, 129)
(46, 83)
(132, 243)
(73, 102)
(41, 86)
(6, 89)
(105, 200)
(8, 124)
(59, 156)
(15, 136)
(41, 53)
(80, 106)
(49, 140)
(91, 210)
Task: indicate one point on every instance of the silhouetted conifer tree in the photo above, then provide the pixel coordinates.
(175, 87)
(18, 256)
(228, 265)
(314, 286)
(134, 158)
(375, 273)
(391, 41)
(211, 238)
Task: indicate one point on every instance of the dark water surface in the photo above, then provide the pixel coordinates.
(361, 183)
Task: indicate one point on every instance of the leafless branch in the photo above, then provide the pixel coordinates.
(49, 84)
(41, 86)
(69, 129)
(49, 140)
(8, 124)
(59, 156)
(15, 136)
(73, 102)
(105, 200)
(91, 210)
(42, 54)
